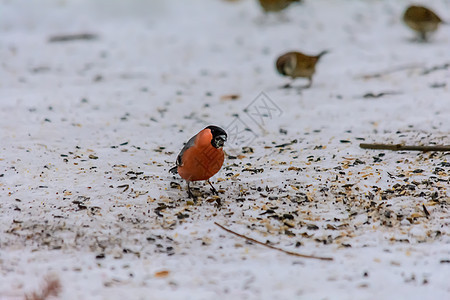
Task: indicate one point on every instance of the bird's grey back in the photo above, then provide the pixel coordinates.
(188, 145)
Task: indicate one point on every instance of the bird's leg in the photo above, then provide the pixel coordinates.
(282, 17)
(304, 87)
(288, 85)
(189, 191)
(309, 83)
(423, 37)
(213, 189)
(261, 19)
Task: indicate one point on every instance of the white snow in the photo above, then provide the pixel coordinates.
(89, 130)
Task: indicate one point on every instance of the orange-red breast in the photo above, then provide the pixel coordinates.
(296, 64)
(275, 5)
(202, 156)
(422, 20)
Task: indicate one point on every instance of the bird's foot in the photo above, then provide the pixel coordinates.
(213, 189)
(286, 86)
(190, 195)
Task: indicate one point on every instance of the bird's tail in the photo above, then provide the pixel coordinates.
(322, 54)
(174, 170)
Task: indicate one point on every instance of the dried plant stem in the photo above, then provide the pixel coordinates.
(270, 246)
(72, 37)
(389, 71)
(400, 147)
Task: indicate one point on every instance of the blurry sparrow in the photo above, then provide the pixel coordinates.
(422, 20)
(296, 64)
(275, 5)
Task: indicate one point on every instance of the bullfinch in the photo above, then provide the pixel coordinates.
(202, 156)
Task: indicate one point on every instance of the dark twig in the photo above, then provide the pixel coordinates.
(72, 37)
(400, 147)
(379, 95)
(270, 246)
(425, 210)
(425, 71)
(436, 68)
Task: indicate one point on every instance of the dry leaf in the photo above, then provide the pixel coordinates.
(162, 274)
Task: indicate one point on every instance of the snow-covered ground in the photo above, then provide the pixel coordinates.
(89, 129)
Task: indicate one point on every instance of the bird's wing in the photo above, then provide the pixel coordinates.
(188, 145)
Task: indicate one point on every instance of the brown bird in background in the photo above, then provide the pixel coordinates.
(275, 5)
(296, 64)
(422, 20)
